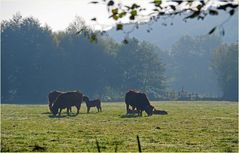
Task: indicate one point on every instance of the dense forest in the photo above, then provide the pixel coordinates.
(36, 60)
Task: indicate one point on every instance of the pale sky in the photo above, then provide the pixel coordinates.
(58, 14)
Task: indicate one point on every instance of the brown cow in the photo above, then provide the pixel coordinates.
(67, 100)
(92, 103)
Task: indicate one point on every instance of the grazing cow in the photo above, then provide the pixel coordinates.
(67, 100)
(139, 101)
(52, 96)
(93, 103)
(159, 112)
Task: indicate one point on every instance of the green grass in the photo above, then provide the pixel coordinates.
(189, 126)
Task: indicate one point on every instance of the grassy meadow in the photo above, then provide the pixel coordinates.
(189, 126)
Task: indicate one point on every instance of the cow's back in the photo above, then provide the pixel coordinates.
(53, 95)
(136, 99)
(69, 99)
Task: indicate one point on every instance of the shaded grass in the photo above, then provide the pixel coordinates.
(189, 126)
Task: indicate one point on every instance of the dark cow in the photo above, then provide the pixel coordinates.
(52, 96)
(139, 101)
(93, 103)
(67, 100)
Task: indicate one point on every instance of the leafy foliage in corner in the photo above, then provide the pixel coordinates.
(198, 10)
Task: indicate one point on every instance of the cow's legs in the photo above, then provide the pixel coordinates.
(50, 106)
(127, 108)
(68, 108)
(139, 112)
(88, 109)
(60, 111)
(78, 109)
(98, 108)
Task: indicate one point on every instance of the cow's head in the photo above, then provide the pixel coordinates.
(85, 99)
(149, 110)
(50, 108)
(54, 110)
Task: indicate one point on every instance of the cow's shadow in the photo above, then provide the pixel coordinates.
(129, 116)
(160, 112)
(63, 115)
(46, 113)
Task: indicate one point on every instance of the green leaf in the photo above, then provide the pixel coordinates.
(224, 7)
(119, 27)
(195, 14)
(199, 7)
(132, 17)
(122, 14)
(212, 30)
(157, 2)
(93, 38)
(115, 17)
(115, 11)
(110, 3)
(179, 2)
(213, 12)
(125, 41)
(134, 6)
(133, 13)
(94, 2)
(173, 7)
(231, 12)
(156, 10)
(78, 32)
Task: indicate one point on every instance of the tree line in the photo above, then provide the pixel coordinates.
(203, 65)
(36, 60)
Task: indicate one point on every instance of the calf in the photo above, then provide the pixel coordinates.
(93, 103)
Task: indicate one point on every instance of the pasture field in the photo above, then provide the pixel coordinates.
(189, 126)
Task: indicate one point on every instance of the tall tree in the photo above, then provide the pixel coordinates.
(225, 65)
(27, 49)
(35, 61)
(141, 67)
(188, 65)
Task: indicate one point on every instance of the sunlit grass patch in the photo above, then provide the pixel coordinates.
(189, 126)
